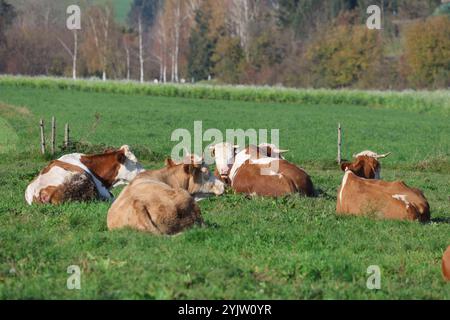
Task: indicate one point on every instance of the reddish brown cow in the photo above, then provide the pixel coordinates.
(446, 265)
(255, 171)
(79, 177)
(390, 200)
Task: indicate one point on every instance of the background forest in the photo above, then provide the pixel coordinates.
(294, 43)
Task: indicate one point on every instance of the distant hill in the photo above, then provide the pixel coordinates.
(121, 7)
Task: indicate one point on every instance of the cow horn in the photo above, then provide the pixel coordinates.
(281, 151)
(382, 156)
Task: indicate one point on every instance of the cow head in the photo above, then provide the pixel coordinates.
(195, 177)
(365, 165)
(129, 166)
(224, 154)
(265, 150)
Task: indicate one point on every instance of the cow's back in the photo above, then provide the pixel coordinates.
(390, 200)
(282, 179)
(446, 264)
(153, 207)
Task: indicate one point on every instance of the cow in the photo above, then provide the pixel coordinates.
(446, 264)
(261, 171)
(80, 177)
(162, 202)
(366, 164)
(389, 200)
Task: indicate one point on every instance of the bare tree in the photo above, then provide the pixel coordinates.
(242, 14)
(72, 53)
(99, 22)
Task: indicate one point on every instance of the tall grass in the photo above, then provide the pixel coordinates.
(421, 101)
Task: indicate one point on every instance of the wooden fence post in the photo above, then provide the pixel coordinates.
(66, 136)
(339, 156)
(41, 125)
(53, 139)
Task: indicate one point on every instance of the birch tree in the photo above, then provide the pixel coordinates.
(73, 53)
(100, 21)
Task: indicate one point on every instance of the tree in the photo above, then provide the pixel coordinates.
(201, 48)
(101, 25)
(427, 52)
(228, 59)
(147, 10)
(7, 16)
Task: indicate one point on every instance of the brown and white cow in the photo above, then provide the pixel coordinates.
(390, 200)
(366, 164)
(262, 171)
(162, 202)
(446, 265)
(80, 177)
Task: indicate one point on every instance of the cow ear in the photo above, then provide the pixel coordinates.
(121, 157)
(345, 166)
(170, 163)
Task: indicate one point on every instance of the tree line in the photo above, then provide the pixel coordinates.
(297, 43)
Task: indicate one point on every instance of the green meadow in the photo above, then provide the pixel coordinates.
(287, 248)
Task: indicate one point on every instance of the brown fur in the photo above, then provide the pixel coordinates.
(249, 180)
(160, 201)
(364, 196)
(292, 179)
(363, 166)
(105, 166)
(79, 188)
(446, 264)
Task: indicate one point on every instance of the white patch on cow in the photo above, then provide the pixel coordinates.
(224, 155)
(403, 198)
(55, 177)
(344, 183)
(366, 153)
(74, 159)
(240, 159)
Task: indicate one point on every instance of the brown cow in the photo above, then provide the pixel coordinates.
(390, 200)
(80, 177)
(365, 165)
(161, 202)
(446, 265)
(260, 171)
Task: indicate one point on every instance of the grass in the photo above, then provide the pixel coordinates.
(420, 101)
(291, 248)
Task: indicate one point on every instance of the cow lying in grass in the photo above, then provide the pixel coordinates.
(446, 265)
(260, 171)
(161, 202)
(390, 200)
(79, 177)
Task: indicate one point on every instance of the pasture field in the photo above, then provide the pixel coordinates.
(289, 248)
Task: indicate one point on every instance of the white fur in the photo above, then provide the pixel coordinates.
(344, 183)
(403, 198)
(74, 159)
(224, 156)
(55, 177)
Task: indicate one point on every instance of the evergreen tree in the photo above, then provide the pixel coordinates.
(147, 8)
(201, 48)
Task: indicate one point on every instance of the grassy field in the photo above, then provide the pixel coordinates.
(291, 248)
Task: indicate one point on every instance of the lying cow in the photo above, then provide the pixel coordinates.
(79, 177)
(392, 200)
(446, 265)
(261, 171)
(162, 202)
(366, 165)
